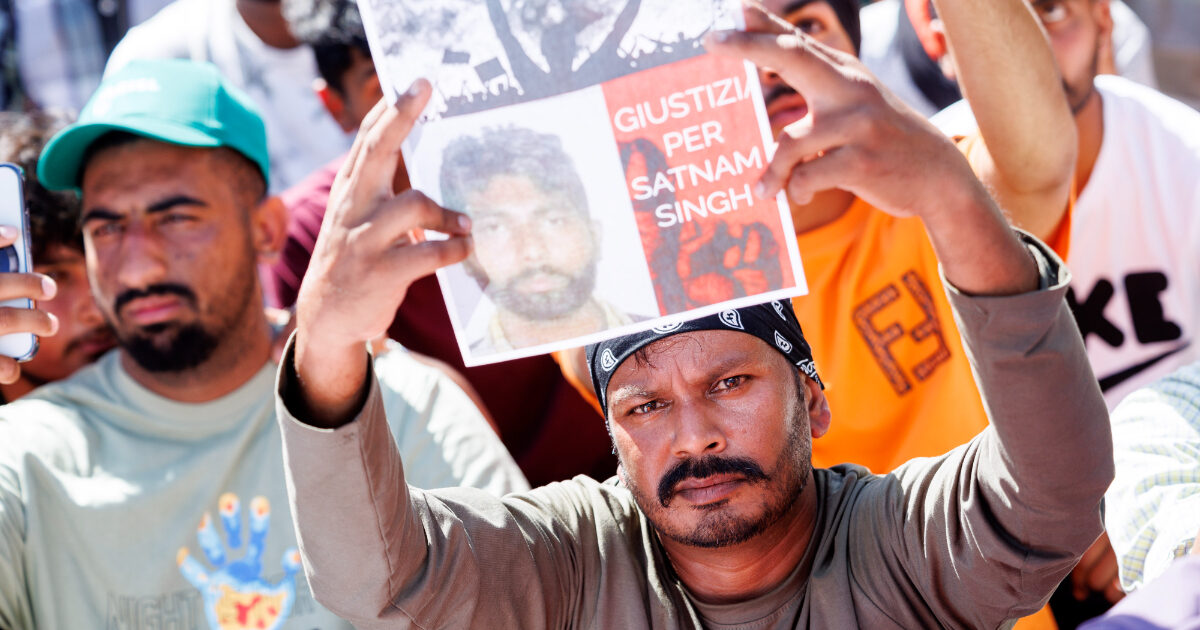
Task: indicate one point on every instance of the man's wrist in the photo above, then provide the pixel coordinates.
(330, 378)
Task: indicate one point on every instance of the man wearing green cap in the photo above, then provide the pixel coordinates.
(147, 490)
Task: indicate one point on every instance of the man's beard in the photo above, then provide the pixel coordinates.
(719, 529)
(170, 347)
(1080, 94)
(546, 305)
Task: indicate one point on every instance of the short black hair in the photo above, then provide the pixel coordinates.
(53, 215)
(334, 29)
(469, 163)
(847, 14)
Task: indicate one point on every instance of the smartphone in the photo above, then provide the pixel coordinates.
(15, 257)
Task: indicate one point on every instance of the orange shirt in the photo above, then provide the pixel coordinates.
(885, 343)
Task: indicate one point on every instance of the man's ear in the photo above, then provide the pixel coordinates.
(819, 416)
(938, 44)
(334, 104)
(269, 225)
(1102, 14)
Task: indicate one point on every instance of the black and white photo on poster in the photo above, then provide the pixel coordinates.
(483, 54)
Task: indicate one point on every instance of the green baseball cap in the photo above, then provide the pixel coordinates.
(170, 100)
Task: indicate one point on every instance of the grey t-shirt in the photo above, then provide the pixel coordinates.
(973, 539)
(123, 509)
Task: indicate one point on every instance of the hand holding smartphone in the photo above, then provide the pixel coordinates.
(20, 321)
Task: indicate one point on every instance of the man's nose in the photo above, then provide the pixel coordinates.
(530, 243)
(768, 78)
(142, 259)
(697, 431)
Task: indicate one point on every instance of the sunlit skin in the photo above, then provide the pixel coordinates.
(785, 106)
(1078, 30)
(519, 228)
(82, 334)
(723, 394)
(156, 213)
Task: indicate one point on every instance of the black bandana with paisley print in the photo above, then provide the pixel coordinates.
(773, 322)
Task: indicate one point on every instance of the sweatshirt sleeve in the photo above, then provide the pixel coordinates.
(990, 529)
(383, 554)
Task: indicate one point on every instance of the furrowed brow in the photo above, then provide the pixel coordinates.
(171, 202)
(98, 214)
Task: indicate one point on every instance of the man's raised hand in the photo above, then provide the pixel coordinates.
(369, 252)
(859, 138)
(15, 286)
(856, 136)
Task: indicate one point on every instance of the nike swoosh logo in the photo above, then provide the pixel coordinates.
(1112, 380)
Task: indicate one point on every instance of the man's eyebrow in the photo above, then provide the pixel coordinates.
(98, 214)
(158, 206)
(627, 392)
(716, 371)
(171, 202)
(726, 366)
(796, 6)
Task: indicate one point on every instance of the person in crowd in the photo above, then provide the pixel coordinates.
(52, 52)
(1153, 507)
(108, 478)
(537, 247)
(536, 410)
(250, 42)
(895, 366)
(904, 44)
(1133, 236)
(716, 517)
(57, 250)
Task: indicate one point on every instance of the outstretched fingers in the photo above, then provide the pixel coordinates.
(376, 153)
(800, 143)
(802, 62)
(413, 211)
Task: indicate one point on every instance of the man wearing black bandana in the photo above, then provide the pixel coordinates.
(716, 518)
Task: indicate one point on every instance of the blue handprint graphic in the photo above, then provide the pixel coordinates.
(235, 595)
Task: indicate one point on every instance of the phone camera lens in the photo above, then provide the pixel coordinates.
(8, 260)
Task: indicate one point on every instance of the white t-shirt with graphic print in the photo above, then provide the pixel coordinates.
(1135, 237)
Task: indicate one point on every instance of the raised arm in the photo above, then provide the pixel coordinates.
(989, 530)
(368, 253)
(376, 551)
(856, 138)
(1008, 75)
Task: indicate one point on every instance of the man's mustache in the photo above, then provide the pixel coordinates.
(707, 466)
(540, 270)
(776, 92)
(165, 288)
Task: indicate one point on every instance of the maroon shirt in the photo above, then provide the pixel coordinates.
(548, 427)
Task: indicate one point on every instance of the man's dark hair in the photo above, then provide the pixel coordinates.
(53, 216)
(469, 163)
(847, 13)
(333, 28)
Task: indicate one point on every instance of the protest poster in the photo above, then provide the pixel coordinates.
(606, 159)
